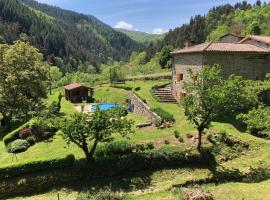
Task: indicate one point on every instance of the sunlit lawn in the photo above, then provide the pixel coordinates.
(161, 181)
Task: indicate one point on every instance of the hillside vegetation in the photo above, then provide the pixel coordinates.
(68, 39)
(141, 37)
(242, 18)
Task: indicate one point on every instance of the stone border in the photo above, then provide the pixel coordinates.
(139, 107)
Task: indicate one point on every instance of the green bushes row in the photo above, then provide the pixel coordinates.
(124, 87)
(166, 116)
(35, 166)
(15, 134)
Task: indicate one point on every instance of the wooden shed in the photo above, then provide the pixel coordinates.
(77, 93)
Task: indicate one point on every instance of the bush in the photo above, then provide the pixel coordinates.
(101, 195)
(31, 140)
(137, 88)
(24, 133)
(35, 166)
(54, 108)
(118, 111)
(124, 87)
(176, 134)
(181, 140)
(166, 116)
(18, 146)
(143, 147)
(189, 135)
(166, 142)
(43, 128)
(15, 134)
(114, 148)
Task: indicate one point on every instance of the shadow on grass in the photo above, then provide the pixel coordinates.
(233, 121)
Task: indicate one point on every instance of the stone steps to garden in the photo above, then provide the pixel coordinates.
(165, 94)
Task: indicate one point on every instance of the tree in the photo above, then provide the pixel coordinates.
(165, 55)
(24, 80)
(211, 97)
(96, 127)
(55, 75)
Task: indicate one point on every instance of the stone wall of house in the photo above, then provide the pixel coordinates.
(139, 107)
(249, 66)
(181, 64)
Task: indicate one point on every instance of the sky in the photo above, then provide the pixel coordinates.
(151, 16)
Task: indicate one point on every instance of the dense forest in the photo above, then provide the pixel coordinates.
(242, 18)
(68, 39)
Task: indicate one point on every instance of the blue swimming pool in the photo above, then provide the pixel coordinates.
(105, 106)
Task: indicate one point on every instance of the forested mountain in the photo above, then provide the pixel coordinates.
(142, 37)
(68, 39)
(242, 18)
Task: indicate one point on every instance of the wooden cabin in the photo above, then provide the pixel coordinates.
(77, 93)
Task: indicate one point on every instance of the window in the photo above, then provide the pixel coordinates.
(179, 77)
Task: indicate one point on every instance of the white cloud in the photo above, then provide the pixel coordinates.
(124, 25)
(158, 31)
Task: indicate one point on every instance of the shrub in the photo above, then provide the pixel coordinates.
(189, 135)
(167, 142)
(176, 134)
(137, 88)
(43, 128)
(124, 87)
(35, 166)
(143, 147)
(54, 108)
(24, 133)
(101, 195)
(15, 134)
(181, 140)
(18, 146)
(114, 148)
(31, 140)
(166, 116)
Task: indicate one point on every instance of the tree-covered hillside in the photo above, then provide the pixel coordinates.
(242, 18)
(141, 37)
(68, 39)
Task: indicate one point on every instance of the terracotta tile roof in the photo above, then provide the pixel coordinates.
(222, 47)
(260, 38)
(72, 86)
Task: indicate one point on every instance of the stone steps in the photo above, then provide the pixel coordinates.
(165, 95)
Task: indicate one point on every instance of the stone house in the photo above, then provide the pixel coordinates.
(249, 58)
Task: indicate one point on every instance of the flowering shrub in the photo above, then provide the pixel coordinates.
(25, 133)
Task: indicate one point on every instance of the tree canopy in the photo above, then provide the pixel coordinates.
(85, 129)
(24, 79)
(210, 97)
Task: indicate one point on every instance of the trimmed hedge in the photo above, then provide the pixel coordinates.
(35, 166)
(15, 134)
(122, 87)
(166, 116)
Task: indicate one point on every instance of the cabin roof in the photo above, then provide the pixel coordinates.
(72, 86)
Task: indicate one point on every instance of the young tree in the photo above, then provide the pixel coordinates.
(24, 80)
(96, 127)
(210, 97)
(165, 56)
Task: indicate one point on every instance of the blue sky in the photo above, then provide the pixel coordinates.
(152, 16)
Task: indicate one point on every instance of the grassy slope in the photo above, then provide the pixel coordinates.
(141, 36)
(160, 182)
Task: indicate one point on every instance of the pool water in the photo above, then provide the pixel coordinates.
(105, 106)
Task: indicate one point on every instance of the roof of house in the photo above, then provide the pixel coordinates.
(239, 36)
(72, 86)
(259, 38)
(222, 47)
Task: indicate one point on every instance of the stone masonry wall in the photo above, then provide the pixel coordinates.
(141, 108)
(183, 62)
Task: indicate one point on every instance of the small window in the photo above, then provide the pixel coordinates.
(179, 77)
(194, 78)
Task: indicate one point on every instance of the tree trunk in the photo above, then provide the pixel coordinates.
(86, 152)
(199, 139)
(93, 149)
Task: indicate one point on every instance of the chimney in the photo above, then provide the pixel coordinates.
(190, 44)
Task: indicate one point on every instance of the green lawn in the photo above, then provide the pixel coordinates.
(160, 181)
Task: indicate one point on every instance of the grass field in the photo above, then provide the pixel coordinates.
(159, 183)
